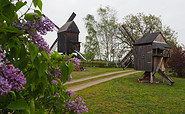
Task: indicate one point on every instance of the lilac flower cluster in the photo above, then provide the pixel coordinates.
(75, 60)
(54, 82)
(33, 28)
(70, 93)
(56, 74)
(76, 105)
(10, 78)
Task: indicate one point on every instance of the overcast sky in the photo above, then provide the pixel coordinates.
(172, 13)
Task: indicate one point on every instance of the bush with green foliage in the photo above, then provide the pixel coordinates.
(99, 64)
(32, 78)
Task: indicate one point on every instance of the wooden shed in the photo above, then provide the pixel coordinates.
(68, 35)
(151, 54)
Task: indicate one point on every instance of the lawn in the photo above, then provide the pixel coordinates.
(91, 71)
(127, 95)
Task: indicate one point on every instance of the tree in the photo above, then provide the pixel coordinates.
(91, 45)
(177, 61)
(141, 24)
(102, 32)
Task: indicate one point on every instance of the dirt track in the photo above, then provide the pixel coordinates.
(94, 82)
(91, 77)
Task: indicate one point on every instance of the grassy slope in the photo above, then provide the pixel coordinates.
(127, 95)
(91, 71)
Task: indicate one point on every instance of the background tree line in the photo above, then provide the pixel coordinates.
(106, 42)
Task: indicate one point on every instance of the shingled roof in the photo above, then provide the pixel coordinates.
(69, 27)
(147, 38)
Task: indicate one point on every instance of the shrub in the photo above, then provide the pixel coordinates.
(177, 62)
(31, 77)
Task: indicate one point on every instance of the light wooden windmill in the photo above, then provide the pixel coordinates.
(151, 54)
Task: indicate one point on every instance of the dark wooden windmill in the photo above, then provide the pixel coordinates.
(151, 54)
(68, 38)
(67, 41)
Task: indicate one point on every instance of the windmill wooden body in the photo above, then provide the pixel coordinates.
(151, 54)
(67, 41)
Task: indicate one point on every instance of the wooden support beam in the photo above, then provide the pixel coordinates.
(151, 77)
(169, 80)
(158, 66)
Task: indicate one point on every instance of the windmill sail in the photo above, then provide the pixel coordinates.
(54, 45)
(125, 59)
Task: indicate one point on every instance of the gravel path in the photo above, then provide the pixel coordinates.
(94, 82)
(91, 77)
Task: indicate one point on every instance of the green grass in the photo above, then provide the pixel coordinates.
(127, 95)
(91, 71)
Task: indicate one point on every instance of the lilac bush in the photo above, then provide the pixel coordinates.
(31, 78)
(11, 78)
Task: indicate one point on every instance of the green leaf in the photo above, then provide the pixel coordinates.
(45, 55)
(32, 106)
(29, 16)
(11, 30)
(40, 4)
(23, 52)
(42, 68)
(12, 93)
(70, 56)
(64, 71)
(33, 49)
(19, 5)
(37, 63)
(35, 2)
(39, 14)
(40, 111)
(19, 104)
(8, 13)
(71, 67)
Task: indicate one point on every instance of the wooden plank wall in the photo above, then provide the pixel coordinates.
(143, 58)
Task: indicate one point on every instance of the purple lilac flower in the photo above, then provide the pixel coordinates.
(70, 93)
(56, 104)
(57, 94)
(10, 78)
(76, 105)
(33, 28)
(76, 61)
(54, 82)
(57, 73)
(70, 78)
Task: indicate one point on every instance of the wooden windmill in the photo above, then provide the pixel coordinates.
(68, 38)
(151, 54)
